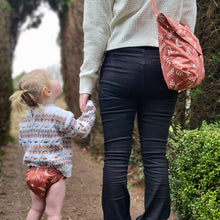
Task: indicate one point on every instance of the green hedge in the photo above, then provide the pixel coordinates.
(194, 158)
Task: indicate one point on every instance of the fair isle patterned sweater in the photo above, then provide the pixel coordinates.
(46, 137)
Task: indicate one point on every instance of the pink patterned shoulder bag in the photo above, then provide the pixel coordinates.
(180, 53)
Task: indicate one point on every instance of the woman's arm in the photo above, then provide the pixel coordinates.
(189, 14)
(82, 126)
(96, 27)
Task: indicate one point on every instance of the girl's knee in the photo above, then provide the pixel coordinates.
(39, 209)
(51, 215)
(51, 211)
(35, 213)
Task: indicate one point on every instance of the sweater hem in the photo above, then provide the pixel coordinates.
(124, 45)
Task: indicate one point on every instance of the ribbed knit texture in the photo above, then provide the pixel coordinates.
(46, 137)
(112, 24)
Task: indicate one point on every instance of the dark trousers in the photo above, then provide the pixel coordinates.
(131, 83)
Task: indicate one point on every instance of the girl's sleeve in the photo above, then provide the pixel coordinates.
(189, 14)
(96, 27)
(82, 126)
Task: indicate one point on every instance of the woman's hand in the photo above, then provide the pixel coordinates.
(83, 98)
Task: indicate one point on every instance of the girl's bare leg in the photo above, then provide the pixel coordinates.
(37, 208)
(54, 200)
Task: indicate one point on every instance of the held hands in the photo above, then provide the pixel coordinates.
(83, 98)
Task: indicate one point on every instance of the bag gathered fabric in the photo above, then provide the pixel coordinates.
(181, 55)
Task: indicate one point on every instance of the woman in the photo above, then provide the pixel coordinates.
(120, 36)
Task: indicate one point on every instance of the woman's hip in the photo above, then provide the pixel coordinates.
(133, 72)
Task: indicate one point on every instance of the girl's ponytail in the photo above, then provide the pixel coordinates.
(17, 101)
(21, 98)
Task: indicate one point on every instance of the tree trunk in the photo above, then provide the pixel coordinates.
(72, 58)
(205, 98)
(72, 53)
(5, 71)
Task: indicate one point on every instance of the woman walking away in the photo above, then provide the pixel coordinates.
(120, 38)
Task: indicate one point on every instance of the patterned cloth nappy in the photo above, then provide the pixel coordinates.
(39, 180)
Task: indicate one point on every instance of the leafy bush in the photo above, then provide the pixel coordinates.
(194, 158)
(135, 171)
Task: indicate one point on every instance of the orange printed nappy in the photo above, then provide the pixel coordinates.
(39, 180)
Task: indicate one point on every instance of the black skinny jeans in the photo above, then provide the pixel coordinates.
(131, 82)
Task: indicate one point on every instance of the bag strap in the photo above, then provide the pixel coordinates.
(155, 8)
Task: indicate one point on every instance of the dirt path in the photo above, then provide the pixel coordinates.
(83, 197)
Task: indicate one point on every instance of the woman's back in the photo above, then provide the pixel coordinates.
(133, 23)
(113, 24)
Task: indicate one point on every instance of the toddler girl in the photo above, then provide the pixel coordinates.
(45, 135)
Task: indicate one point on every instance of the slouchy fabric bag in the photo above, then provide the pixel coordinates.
(181, 55)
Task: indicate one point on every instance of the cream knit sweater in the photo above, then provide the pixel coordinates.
(111, 24)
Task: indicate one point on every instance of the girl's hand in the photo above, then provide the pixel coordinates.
(83, 98)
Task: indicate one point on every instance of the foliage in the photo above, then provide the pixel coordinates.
(1, 154)
(5, 71)
(205, 99)
(21, 9)
(60, 6)
(205, 103)
(16, 80)
(136, 166)
(194, 157)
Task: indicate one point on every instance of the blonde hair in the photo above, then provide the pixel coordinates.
(30, 90)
